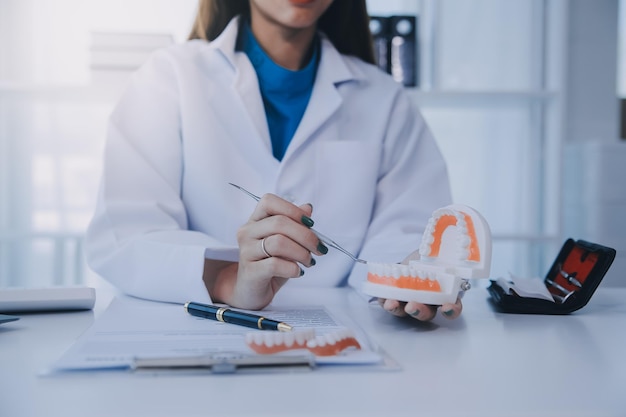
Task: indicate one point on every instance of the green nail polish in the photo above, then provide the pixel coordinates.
(322, 248)
(414, 313)
(448, 312)
(301, 271)
(313, 261)
(307, 221)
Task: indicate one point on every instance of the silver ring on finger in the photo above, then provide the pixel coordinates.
(263, 248)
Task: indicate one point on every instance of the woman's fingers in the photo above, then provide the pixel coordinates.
(272, 205)
(281, 223)
(278, 268)
(307, 208)
(452, 311)
(279, 246)
(419, 311)
(393, 306)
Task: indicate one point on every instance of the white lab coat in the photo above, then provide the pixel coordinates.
(192, 120)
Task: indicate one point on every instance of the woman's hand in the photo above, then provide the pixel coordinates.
(274, 245)
(419, 311)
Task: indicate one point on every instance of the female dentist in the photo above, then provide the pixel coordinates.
(280, 97)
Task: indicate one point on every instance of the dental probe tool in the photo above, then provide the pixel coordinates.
(571, 278)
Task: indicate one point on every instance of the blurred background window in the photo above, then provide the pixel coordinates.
(491, 85)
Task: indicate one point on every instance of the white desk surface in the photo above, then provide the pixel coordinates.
(482, 364)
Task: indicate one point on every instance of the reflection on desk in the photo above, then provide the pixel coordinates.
(484, 364)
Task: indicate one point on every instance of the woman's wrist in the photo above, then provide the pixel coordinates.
(219, 277)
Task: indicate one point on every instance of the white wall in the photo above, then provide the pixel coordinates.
(592, 105)
(621, 73)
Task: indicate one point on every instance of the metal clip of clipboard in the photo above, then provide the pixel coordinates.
(225, 363)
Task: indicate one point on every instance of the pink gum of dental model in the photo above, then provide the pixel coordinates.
(329, 344)
(456, 247)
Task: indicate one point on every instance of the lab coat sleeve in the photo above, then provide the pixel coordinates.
(138, 238)
(413, 182)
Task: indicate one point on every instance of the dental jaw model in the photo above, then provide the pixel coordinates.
(329, 344)
(456, 247)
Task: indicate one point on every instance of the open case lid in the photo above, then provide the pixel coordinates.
(573, 278)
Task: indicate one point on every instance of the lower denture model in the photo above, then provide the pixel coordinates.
(329, 344)
(456, 247)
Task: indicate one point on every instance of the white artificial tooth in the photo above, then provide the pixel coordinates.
(249, 338)
(278, 337)
(330, 339)
(395, 271)
(268, 339)
(424, 249)
(288, 339)
(311, 343)
(381, 270)
(302, 336)
(321, 341)
(388, 272)
(464, 254)
(464, 240)
(258, 338)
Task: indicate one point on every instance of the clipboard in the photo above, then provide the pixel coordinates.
(186, 344)
(225, 363)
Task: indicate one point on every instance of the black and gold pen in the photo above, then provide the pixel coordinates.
(226, 315)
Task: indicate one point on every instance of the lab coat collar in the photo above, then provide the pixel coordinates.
(333, 70)
(245, 83)
(325, 98)
(226, 42)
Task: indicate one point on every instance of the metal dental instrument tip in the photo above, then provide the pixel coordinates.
(571, 278)
(325, 239)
